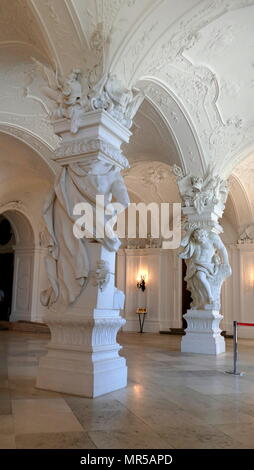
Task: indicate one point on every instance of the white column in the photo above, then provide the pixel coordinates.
(83, 354)
(206, 259)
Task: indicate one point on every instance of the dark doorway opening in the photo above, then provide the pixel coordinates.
(186, 295)
(6, 268)
(6, 283)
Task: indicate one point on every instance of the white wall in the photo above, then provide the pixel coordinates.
(162, 296)
(238, 290)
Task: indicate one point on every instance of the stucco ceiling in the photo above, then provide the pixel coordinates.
(198, 52)
(151, 138)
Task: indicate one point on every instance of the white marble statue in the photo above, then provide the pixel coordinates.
(67, 264)
(101, 275)
(207, 267)
(77, 94)
(247, 236)
(68, 97)
(203, 192)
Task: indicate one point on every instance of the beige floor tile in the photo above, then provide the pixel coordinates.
(128, 440)
(35, 416)
(101, 417)
(67, 440)
(6, 425)
(199, 437)
(243, 432)
(172, 399)
(7, 442)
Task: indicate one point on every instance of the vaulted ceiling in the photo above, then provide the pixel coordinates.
(194, 58)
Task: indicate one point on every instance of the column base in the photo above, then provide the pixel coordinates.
(71, 375)
(203, 335)
(83, 355)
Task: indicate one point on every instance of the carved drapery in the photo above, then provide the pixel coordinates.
(205, 255)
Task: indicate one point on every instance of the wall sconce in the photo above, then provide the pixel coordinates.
(141, 282)
(251, 279)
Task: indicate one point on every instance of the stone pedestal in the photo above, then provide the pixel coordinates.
(83, 355)
(203, 334)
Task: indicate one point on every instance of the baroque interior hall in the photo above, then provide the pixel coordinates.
(122, 340)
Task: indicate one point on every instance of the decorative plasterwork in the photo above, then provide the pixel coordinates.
(13, 206)
(167, 56)
(34, 126)
(152, 182)
(203, 194)
(184, 136)
(19, 215)
(247, 236)
(151, 137)
(101, 275)
(18, 24)
(32, 140)
(94, 145)
(143, 40)
(81, 92)
(241, 182)
(64, 42)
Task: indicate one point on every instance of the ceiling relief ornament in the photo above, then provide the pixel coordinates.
(150, 173)
(247, 236)
(78, 94)
(203, 193)
(18, 24)
(198, 86)
(152, 181)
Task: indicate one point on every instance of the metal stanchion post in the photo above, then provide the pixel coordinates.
(235, 348)
(235, 343)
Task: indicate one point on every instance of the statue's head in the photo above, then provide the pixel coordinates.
(74, 74)
(200, 234)
(197, 183)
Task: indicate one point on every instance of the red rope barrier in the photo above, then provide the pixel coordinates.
(245, 324)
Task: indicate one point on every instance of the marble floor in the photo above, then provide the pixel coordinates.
(172, 400)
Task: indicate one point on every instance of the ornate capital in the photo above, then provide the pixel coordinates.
(74, 96)
(204, 194)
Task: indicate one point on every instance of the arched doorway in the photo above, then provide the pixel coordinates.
(17, 268)
(7, 241)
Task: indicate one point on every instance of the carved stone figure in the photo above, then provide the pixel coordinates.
(119, 299)
(207, 267)
(77, 94)
(68, 96)
(247, 236)
(67, 264)
(203, 193)
(101, 276)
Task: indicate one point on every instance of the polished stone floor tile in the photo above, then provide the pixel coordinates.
(243, 432)
(7, 442)
(61, 440)
(5, 406)
(36, 416)
(25, 389)
(102, 418)
(128, 440)
(6, 425)
(172, 400)
(199, 437)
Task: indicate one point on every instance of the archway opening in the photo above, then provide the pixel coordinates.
(17, 265)
(7, 242)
